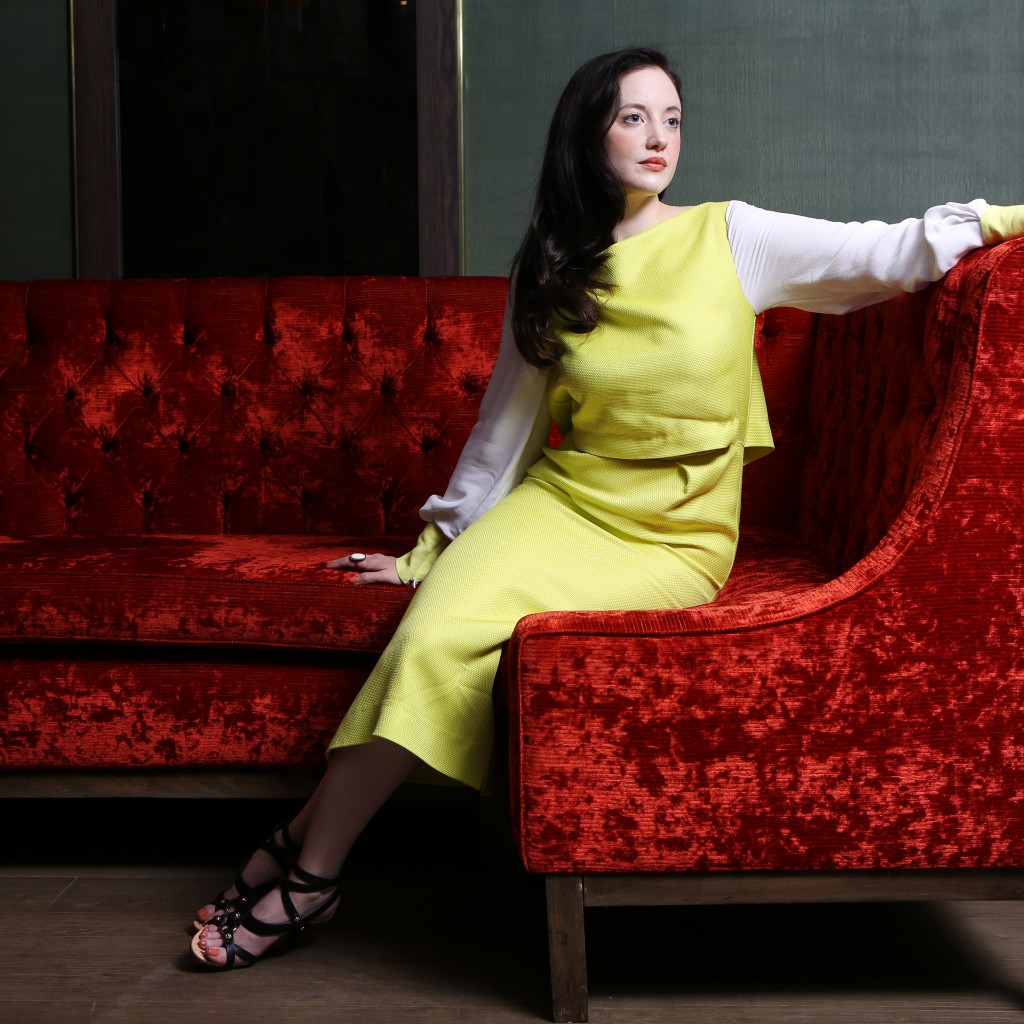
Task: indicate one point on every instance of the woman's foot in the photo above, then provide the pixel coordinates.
(240, 938)
(257, 876)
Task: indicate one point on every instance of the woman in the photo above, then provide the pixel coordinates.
(631, 323)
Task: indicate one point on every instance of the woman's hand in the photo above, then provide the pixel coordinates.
(1000, 223)
(371, 568)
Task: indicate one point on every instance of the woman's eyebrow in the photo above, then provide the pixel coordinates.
(643, 107)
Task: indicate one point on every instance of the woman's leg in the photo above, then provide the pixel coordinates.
(355, 786)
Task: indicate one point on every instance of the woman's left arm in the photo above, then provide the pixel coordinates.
(832, 267)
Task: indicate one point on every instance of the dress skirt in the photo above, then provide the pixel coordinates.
(581, 532)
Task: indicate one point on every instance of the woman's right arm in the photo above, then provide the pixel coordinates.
(512, 427)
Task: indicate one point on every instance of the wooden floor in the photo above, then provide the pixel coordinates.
(438, 928)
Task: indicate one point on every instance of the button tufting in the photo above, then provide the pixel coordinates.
(471, 383)
(178, 421)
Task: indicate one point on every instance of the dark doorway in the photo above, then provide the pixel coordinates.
(266, 137)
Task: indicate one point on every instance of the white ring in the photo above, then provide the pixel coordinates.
(357, 557)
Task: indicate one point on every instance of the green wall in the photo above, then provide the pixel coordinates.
(837, 108)
(848, 109)
(36, 235)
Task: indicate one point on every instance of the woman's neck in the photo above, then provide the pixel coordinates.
(641, 215)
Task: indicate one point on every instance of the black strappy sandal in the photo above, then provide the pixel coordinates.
(285, 853)
(294, 927)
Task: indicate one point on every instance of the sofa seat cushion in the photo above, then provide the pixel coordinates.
(769, 563)
(241, 590)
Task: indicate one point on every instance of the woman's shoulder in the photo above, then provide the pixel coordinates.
(686, 216)
(710, 208)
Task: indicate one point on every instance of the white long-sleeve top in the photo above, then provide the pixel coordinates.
(781, 260)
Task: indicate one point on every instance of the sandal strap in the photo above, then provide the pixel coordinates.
(296, 923)
(228, 924)
(306, 881)
(233, 950)
(284, 852)
(248, 895)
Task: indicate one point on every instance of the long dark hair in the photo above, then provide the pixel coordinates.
(556, 271)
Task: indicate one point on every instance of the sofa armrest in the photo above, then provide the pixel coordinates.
(872, 721)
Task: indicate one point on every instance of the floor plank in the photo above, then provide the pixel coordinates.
(433, 929)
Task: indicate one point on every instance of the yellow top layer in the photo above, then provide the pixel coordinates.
(671, 369)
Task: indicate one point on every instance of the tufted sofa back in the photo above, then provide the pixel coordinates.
(329, 405)
(290, 405)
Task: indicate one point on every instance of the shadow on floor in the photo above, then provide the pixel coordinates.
(786, 949)
(432, 884)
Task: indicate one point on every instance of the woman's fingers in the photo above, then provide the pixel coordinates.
(376, 568)
(381, 576)
(355, 562)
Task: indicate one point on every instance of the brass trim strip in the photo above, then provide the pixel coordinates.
(73, 112)
(460, 143)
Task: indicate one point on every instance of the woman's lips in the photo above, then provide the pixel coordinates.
(654, 164)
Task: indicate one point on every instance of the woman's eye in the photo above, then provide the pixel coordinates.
(673, 122)
(632, 118)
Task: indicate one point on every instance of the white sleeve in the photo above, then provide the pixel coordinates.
(512, 427)
(830, 267)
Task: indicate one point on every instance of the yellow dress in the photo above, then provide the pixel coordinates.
(638, 508)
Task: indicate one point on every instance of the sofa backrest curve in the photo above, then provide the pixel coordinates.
(879, 387)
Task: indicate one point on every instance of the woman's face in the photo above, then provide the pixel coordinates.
(642, 144)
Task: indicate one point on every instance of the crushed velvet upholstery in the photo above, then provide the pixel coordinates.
(178, 460)
(854, 697)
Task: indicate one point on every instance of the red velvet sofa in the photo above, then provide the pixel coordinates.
(846, 721)
(179, 459)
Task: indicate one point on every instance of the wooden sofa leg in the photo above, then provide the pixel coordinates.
(567, 948)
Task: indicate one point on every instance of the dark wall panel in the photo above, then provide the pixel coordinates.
(36, 239)
(268, 137)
